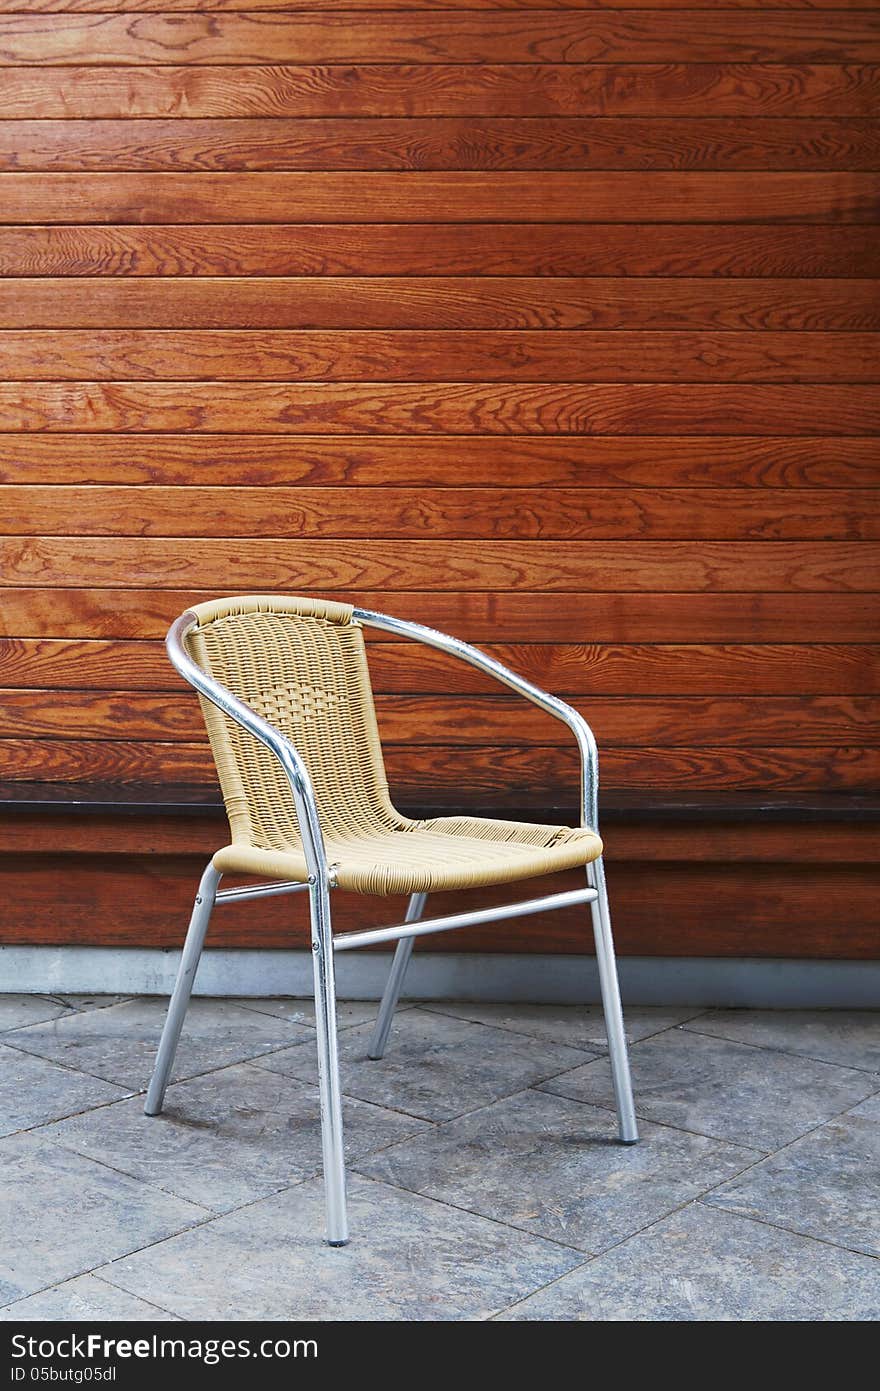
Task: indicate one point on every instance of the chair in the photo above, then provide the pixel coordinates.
(286, 695)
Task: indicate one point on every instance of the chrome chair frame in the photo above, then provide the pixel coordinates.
(320, 882)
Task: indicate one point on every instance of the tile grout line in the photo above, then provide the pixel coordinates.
(757, 1048)
(102, 1264)
(139, 1091)
(790, 1231)
(774, 1048)
(591, 1259)
(300, 1085)
(59, 1285)
(680, 1207)
(538, 1086)
(151, 1302)
(779, 1226)
(694, 1198)
(600, 1050)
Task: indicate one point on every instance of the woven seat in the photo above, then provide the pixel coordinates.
(301, 664)
(426, 856)
(285, 691)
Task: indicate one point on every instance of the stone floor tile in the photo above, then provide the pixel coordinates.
(436, 1067)
(227, 1137)
(553, 1167)
(67, 1214)
(87, 1002)
(409, 1259)
(700, 1264)
(348, 1012)
(850, 1038)
(756, 1098)
(579, 1026)
(119, 1043)
(18, 1010)
(34, 1090)
(82, 1299)
(826, 1185)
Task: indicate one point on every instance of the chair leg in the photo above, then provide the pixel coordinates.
(626, 1116)
(328, 1066)
(394, 985)
(186, 973)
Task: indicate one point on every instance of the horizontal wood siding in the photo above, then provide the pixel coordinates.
(555, 326)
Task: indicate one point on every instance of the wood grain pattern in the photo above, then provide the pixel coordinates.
(468, 196)
(445, 302)
(162, 6)
(442, 143)
(489, 37)
(628, 88)
(482, 617)
(554, 327)
(473, 460)
(294, 565)
(512, 775)
(444, 249)
(143, 900)
(559, 355)
(585, 669)
(457, 721)
(449, 408)
(448, 513)
(643, 845)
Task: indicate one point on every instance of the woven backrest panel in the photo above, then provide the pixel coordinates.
(301, 664)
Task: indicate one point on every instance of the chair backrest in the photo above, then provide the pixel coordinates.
(301, 664)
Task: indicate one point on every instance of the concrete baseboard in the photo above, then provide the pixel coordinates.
(731, 982)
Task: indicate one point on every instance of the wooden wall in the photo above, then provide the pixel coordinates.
(556, 327)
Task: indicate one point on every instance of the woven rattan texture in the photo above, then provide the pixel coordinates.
(301, 664)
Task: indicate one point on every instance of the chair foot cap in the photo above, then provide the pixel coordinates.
(338, 1243)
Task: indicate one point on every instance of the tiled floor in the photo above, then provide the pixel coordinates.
(484, 1177)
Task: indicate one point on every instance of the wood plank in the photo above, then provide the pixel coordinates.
(586, 669)
(444, 249)
(633, 841)
(295, 565)
(662, 669)
(483, 617)
(748, 911)
(456, 721)
(386, 37)
(444, 303)
(507, 774)
(628, 88)
(472, 460)
(391, 408)
(559, 355)
(442, 143)
(161, 6)
(771, 911)
(469, 196)
(662, 421)
(532, 770)
(449, 513)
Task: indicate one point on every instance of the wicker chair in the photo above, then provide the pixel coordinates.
(286, 695)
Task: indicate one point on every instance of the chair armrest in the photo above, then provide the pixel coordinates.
(586, 741)
(274, 740)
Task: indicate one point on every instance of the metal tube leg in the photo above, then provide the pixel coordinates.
(394, 985)
(186, 972)
(328, 1066)
(623, 1097)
